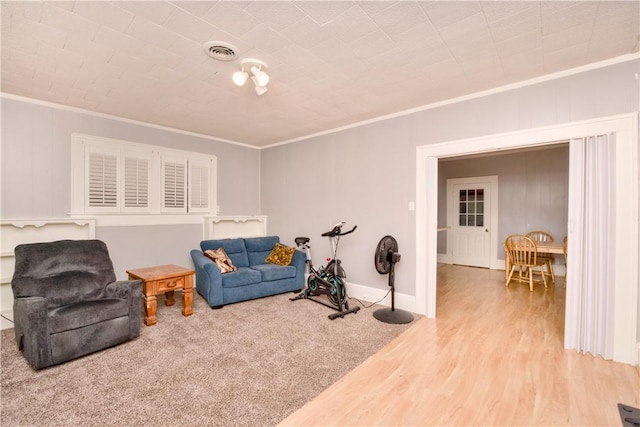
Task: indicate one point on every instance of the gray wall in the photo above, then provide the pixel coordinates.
(533, 189)
(366, 175)
(36, 141)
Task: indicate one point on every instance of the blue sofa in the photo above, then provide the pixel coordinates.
(254, 278)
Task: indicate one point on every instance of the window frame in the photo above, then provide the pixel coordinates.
(82, 146)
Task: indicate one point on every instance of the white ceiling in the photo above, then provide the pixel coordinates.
(332, 63)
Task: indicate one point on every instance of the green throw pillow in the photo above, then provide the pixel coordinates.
(281, 255)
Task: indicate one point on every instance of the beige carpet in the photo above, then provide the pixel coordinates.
(248, 364)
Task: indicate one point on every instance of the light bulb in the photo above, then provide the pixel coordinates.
(262, 78)
(240, 78)
(260, 90)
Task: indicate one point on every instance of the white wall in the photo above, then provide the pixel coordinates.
(36, 141)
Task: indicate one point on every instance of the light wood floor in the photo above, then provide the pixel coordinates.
(493, 356)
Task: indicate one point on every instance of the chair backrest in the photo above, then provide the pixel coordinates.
(64, 272)
(521, 249)
(540, 236)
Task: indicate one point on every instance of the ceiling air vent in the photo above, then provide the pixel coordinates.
(221, 51)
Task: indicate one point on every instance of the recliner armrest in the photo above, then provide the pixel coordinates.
(131, 290)
(124, 289)
(31, 330)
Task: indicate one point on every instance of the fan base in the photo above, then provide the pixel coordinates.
(395, 317)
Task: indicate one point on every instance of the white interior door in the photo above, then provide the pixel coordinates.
(469, 221)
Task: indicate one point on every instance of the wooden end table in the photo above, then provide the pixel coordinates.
(164, 279)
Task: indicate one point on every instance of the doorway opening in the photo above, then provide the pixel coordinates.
(624, 242)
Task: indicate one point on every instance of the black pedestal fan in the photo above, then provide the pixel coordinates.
(386, 257)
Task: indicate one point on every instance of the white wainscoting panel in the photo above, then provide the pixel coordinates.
(226, 227)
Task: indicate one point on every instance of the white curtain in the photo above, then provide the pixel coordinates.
(589, 295)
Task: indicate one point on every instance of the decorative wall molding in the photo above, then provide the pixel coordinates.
(224, 227)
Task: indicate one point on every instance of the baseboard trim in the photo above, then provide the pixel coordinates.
(380, 296)
(6, 319)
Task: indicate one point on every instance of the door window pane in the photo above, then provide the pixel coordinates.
(471, 208)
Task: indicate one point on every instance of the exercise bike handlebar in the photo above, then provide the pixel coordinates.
(337, 231)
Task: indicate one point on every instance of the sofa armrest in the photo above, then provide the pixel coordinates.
(299, 262)
(32, 330)
(208, 278)
(131, 290)
(299, 259)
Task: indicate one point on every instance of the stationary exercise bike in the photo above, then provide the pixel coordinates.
(327, 280)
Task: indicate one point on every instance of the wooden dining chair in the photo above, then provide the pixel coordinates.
(523, 256)
(544, 238)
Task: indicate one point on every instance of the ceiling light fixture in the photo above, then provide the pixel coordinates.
(259, 77)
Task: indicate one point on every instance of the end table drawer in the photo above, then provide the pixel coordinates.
(170, 284)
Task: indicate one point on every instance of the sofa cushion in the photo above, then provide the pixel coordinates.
(281, 255)
(86, 313)
(235, 248)
(259, 248)
(241, 277)
(272, 272)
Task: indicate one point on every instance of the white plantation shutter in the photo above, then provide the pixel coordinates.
(110, 176)
(103, 181)
(174, 186)
(198, 186)
(136, 183)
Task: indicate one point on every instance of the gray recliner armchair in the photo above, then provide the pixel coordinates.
(67, 302)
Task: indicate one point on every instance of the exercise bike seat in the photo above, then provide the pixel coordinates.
(301, 240)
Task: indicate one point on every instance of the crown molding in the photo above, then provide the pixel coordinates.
(120, 119)
(499, 89)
